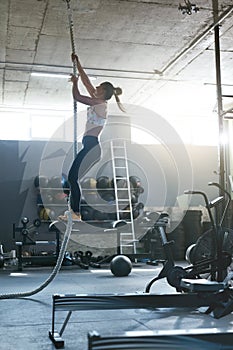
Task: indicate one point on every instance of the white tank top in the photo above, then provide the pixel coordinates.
(97, 115)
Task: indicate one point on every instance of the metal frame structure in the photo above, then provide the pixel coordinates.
(172, 339)
(222, 152)
(191, 291)
(87, 302)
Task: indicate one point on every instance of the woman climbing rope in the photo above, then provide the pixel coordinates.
(96, 119)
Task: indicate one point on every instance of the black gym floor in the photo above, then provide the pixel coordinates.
(25, 323)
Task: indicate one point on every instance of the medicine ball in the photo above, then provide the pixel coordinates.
(86, 211)
(121, 266)
(136, 184)
(112, 216)
(136, 213)
(103, 185)
(140, 206)
(135, 181)
(134, 198)
(88, 183)
(46, 214)
(47, 197)
(103, 182)
(136, 209)
(100, 215)
(91, 197)
(108, 196)
(55, 182)
(41, 181)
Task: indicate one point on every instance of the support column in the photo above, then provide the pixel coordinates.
(221, 147)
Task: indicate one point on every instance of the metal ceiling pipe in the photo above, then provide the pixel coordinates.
(39, 67)
(196, 41)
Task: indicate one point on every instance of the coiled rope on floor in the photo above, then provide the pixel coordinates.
(56, 268)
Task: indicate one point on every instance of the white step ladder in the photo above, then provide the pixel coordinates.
(123, 193)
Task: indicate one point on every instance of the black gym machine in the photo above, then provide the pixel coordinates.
(211, 254)
(23, 238)
(206, 282)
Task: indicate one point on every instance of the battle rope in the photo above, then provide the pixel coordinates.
(71, 26)
(56, 268)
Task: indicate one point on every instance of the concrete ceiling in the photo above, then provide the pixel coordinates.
(160, 57)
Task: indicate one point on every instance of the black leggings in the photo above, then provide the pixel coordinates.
(85, 159)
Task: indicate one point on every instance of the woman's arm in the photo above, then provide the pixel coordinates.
(85, 80)
(91, 101)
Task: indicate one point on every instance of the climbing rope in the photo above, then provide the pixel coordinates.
(71, 27)
(68, 213)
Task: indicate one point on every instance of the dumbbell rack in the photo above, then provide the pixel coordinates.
(123, 205)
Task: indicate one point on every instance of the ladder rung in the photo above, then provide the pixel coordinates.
(129, 241)
(127, 245)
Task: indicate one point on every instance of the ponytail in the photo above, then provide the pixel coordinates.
(116, 92)
(111, 90)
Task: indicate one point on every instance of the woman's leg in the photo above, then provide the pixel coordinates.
(86, 158)
(75, 192)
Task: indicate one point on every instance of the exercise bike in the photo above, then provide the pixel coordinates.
(215, 246)
(209, 258)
